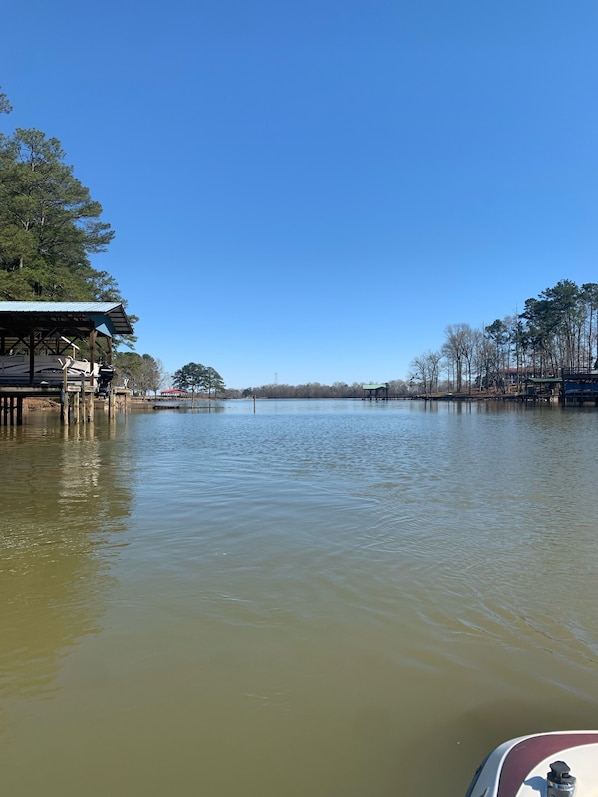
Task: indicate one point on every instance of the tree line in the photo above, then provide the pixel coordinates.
(557, 331)
(50, 226)
(145, 374)
(140, 373)
(314, 390)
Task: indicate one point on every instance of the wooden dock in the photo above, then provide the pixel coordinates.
(78, 404)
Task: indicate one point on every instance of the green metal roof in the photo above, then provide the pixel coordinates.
(376, 386)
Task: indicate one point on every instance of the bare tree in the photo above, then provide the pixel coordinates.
(455, 349)
(425, 371)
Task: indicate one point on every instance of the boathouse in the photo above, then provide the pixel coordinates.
(40, 354)
(570, 388)
(580, 387)
(376, 392)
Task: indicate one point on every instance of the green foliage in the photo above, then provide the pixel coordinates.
(213, 382)
(198, 378)
(498, 333)
(5, 106)
(49, 224)
(558, 327)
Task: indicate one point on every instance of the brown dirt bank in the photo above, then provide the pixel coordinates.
(40, 404)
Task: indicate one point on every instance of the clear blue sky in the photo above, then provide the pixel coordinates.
(314, 189)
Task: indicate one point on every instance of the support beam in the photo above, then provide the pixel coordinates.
(31, 355)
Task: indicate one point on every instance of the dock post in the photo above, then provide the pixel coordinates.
(81, 400)
(64, 398)
(64, 407)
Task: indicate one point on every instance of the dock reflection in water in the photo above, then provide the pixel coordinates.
(321, 598)
(61, 503)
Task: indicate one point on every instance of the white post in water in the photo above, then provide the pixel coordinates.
(64, 398)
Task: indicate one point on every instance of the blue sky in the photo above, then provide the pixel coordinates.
(312, 191)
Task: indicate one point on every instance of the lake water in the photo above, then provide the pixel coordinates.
(321, 598)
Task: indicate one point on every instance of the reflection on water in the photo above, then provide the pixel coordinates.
(61, 505)
(319, 598)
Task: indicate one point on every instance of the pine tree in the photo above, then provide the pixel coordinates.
(49, 224)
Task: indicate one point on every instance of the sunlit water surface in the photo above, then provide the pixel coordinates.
(318, 598)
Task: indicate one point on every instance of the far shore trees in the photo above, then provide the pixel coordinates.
(140, 373)
(556, 331)
(315, 390)
(425, 371)
(198, 378)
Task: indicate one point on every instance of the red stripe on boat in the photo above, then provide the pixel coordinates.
(526, 755)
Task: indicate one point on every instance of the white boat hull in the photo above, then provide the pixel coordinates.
(518, 768)
(48, 369)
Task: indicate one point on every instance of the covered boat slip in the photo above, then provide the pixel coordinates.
(40, 355)
(377, 391)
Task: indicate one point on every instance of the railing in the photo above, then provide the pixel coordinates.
(570, 373)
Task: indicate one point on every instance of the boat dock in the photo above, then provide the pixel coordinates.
(376, 391)
(40, 347)
(579, 387)
(76, 405)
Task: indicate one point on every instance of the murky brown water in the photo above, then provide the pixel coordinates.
(319, 599)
